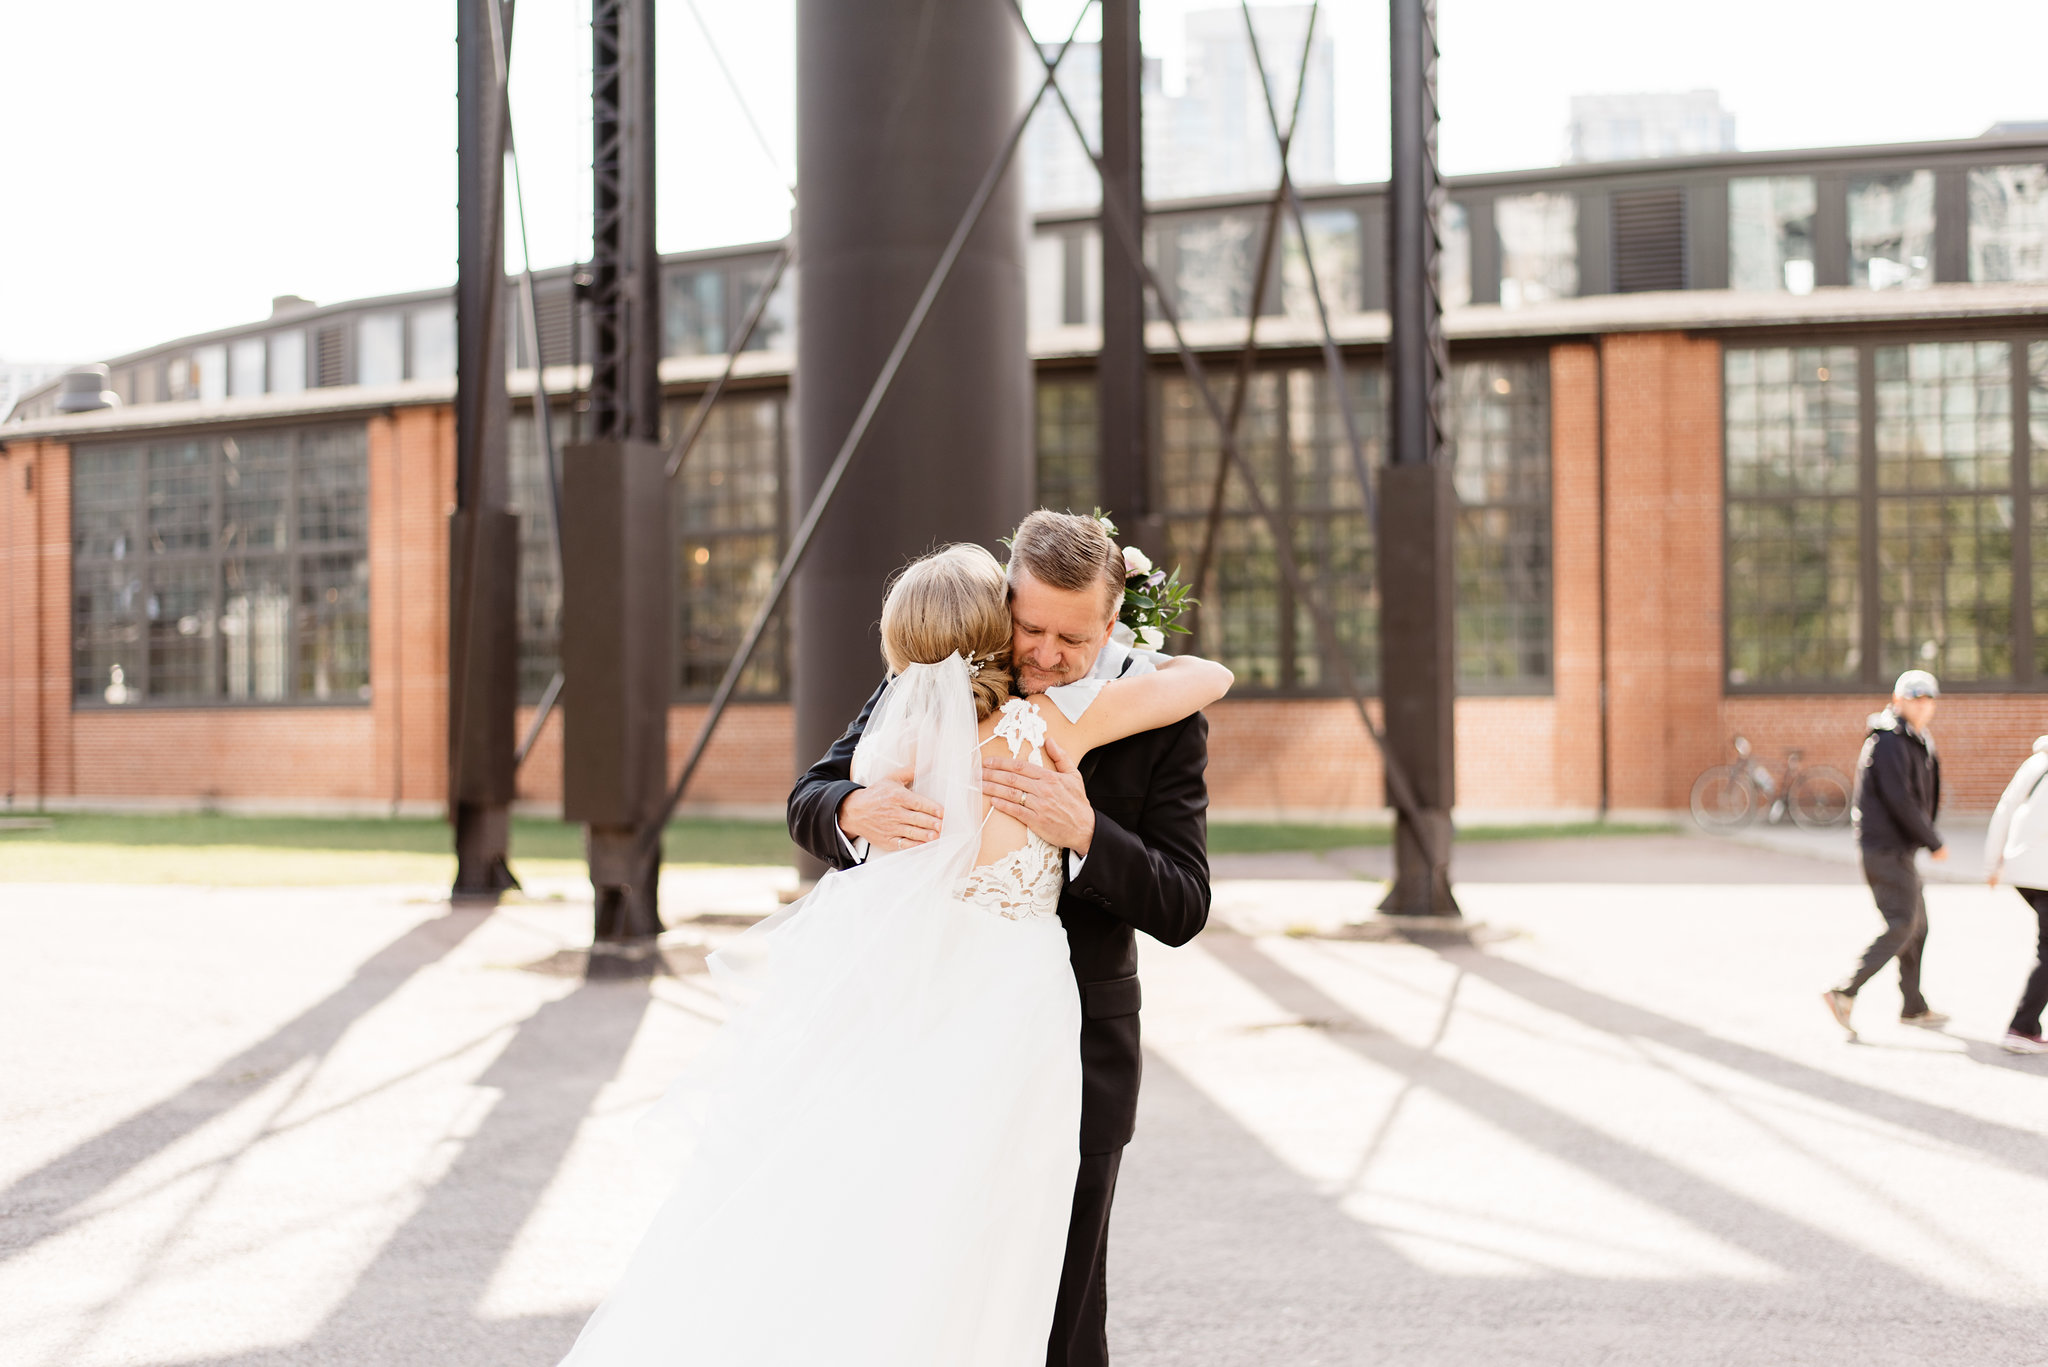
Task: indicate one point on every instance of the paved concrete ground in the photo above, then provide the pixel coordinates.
(355, 1126)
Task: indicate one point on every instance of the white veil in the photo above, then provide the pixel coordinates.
(862, 944)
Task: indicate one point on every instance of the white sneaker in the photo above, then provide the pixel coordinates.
(2016, 1043)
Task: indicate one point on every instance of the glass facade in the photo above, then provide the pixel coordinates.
(1891, 231)
(222, 569)
(2008, 223)
(1770, 233)
(1875, 507)
(1539, 247)
(1292, 434)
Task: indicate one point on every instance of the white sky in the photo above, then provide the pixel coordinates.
(174, 166)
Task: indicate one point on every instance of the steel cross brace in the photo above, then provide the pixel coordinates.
(1399, 789)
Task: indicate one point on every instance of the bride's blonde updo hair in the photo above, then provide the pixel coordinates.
(952, 602)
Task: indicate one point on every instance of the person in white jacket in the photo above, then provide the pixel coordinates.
(2016, 852)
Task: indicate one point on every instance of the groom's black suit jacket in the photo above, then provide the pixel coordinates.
(1147, 869)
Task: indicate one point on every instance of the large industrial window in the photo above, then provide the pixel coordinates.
(222, 569)
(1770, 233)
(1066, 442)
(540, 567)
(1794, 588)
(1499, 419)
(1293, 435)
(1875, 498)
(1891, 231)
(1539, 247)
(727, 515)
(2009, 223)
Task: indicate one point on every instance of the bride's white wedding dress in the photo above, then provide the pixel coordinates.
(876, 1154)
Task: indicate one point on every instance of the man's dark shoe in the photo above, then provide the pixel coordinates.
(1839, 1004)
(1929, 1019)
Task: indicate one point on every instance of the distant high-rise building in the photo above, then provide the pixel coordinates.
(1654, 124)
(1216, 136)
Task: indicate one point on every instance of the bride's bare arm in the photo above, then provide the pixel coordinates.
(1180, 687)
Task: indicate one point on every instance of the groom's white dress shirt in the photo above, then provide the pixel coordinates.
(1072, 700)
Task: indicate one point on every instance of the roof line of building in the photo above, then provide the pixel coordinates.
(1591, 315)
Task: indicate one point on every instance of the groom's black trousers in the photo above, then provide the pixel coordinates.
(1080, 1319)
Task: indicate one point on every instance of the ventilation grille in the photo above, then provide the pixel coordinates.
(553, 315)
(330, 355)
(1649, 241)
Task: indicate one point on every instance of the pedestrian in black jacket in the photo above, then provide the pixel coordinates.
(1898, 791)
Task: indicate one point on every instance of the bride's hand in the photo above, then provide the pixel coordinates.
(889, 815)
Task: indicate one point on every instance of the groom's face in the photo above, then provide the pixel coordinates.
(1057, 633)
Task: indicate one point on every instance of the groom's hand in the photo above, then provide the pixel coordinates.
(889, 815)
(1052, 802)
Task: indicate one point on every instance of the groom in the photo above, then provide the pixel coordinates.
(1133, 821)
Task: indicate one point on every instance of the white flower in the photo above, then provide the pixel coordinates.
(1102, 521)
(1151, 638)
(1135, 561)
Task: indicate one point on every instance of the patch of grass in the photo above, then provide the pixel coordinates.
(287, 851)
(1251, 837)
(264, 851)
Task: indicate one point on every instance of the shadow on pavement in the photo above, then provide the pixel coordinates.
(39, 1203)
(416, 1303)
(1273, 1272)
(1653, 859)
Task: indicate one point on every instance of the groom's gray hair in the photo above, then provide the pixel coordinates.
(1069, 552)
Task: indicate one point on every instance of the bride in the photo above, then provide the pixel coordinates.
(876, 1154)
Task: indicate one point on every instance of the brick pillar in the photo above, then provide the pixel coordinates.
(1575, 573)
(422, 473)
(1663, 565)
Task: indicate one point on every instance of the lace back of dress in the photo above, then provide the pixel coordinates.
(1026, 881)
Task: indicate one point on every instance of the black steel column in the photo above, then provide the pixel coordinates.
(1417, 637)
(617, 581)
(902, 107)
(483, 533)
(1121, 426)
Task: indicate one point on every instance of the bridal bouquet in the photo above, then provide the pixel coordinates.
(1154, 599)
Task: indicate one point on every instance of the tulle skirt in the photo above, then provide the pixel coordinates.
(876, 1155)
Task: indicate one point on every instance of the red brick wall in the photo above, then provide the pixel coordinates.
(1981, 737)
(1575, 578)
(35, 637)
(1663, 564)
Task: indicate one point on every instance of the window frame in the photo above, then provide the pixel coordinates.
(1287, 632)
(217, 558)
(1874, 676)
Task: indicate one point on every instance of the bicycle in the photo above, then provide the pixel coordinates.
(1729, 796)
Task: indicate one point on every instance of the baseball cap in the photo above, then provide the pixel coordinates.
(1916, 683)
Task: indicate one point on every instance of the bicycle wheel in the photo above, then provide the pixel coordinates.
(1820, 798)
(1723, 798)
